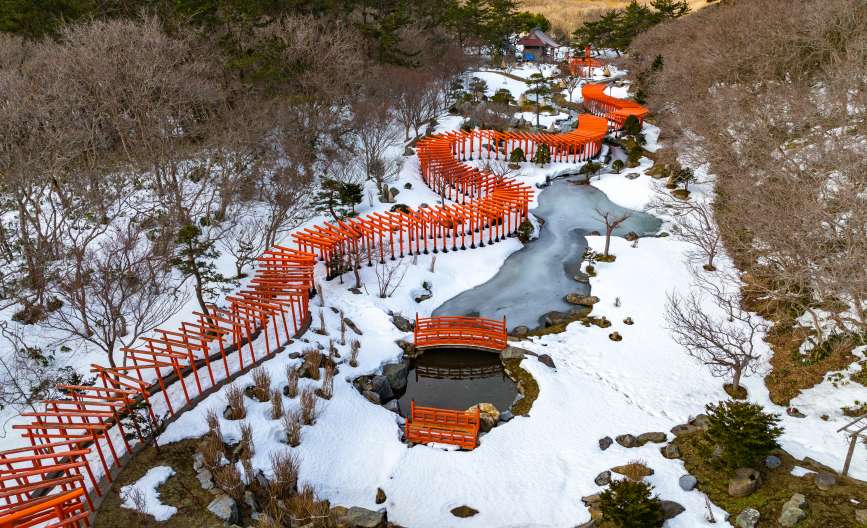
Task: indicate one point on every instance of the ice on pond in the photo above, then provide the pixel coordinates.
(533, 280)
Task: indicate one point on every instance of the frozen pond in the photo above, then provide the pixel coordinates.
(453, 378)
(533, 280)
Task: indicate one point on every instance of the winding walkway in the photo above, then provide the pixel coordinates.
(77, 441)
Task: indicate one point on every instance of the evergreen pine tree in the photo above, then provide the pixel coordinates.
(543, 155)
(628, 504)
(195, 257)
(517, 156)
(743, 430)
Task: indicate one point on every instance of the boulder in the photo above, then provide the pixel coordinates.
(407, 347)
(580, 311)
(744, 483)
(795, 413)
(554, 317)
(582, 277)
(402, 323)
(793, 511)
(615, 336)
(628, 321)
(687, 482)
(605, 443)
(489, 416)
(464, 511)
(632, 175)
(631, 236)
(506, 416)
(363, 518)
(773, 462)
(824, 480)
(520, 331)
(670, 451)
(512, 353)
(392, 406)
(748, 518)
(603, 479)
(671, 509)
(225, 508)
(656, 437)
(352, 326)
(205, 478)
(578, 298)
(372, 397)
(380, 496)
(684, 429)
(626, 440)
(701, 421)
(382, 388)
(546, 360)
(396, 374)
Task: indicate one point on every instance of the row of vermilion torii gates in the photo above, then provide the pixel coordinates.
(77, 440)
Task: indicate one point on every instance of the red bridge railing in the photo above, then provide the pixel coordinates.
(475, 332)
(443, 426)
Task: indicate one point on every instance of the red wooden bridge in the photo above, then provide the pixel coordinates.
(444, 426)
(77, 441)
(469, 332)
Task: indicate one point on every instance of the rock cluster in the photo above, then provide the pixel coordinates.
(793, 511)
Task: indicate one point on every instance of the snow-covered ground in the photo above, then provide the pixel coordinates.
(533, 470)
(145, 490)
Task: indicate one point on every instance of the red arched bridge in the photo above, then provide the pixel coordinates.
(460, 332)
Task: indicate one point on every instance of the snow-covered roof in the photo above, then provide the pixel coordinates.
(538, 38)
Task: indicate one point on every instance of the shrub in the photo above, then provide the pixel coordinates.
(635, 470)
(228, 479)
(589, 168)
(632, 126)
(517, 156)
(629, 504)
(543, 155)
(525, 230)
(261, 384)
(292, 426)
(327, 388)
(617, 166)
(235, 399)
(291, 381)
(503, 96)
(245, 448)
(743, 430)
(211, 448)
(284, 466)
(276, 405)
(308, 405)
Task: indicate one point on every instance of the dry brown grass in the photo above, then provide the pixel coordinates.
(308, 405)
(327, 388)
(276, 405)
(291, 381)
(246, 448)
(235, 401)
(305, 507)
(285, 469)
(566, 15)
(228, 479)
(635, 470)
(292, 426)
(211, 447)
(261, 384)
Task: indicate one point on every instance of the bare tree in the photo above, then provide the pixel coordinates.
(724, 342)
(696, 224)
(26, 374)
(417, 100)
(612, 221)
(375, 130)
(389, 273)
(124, 292)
